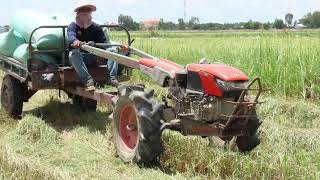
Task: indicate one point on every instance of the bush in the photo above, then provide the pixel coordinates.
(279, 24)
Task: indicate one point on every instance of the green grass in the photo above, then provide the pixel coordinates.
(287, 62)
(56, 140)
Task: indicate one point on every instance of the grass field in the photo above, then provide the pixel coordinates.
(55, 140)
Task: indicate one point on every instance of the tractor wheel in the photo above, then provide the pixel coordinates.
(136, 127)
(248, 142)
(242, 143)
(84, 103)
(12, 96)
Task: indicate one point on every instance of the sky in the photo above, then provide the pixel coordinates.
(170, 10)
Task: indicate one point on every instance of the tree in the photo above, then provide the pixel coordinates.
(311, 20)
(251, 25)
(289, 18)
(194, 23)
(181, 25)
(128, 22)
(248, 25)
(267, 26)
(167, 25)
(306, 20)
(279, 24)
(256, 25)
(161, 24)
(315, 19)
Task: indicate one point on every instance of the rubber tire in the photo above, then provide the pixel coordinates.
(84, 103)
(12, 103)
(149, 145)
(243, 143)
(250, 141)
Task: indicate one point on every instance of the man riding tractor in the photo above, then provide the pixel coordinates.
(85, 30)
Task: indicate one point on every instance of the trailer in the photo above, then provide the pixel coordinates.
(22, 81)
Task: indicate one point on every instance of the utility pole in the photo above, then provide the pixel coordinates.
(185, 11)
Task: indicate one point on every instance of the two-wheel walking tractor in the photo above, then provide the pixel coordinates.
(207, 100)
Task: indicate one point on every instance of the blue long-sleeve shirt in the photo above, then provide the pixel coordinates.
(92, 33)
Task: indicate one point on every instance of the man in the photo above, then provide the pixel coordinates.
(85, 30)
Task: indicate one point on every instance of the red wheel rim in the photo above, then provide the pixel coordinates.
(128, 127)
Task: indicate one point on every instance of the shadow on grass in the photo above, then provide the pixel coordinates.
(67, 116)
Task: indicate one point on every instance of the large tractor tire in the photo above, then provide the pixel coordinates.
(136, 127)
(13, 94)
(84, 103)
(244, 143)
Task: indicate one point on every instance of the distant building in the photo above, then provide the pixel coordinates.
(110, 23)
(1, 29)
(300, 26)
(151, 24)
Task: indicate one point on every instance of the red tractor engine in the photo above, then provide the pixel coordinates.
(207, 100)
(215, 80)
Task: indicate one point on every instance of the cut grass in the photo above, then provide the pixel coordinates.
(67, 146)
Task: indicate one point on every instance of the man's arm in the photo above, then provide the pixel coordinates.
(71, 31)
(72, 35)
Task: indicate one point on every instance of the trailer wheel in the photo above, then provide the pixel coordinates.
(84, 103)
(136, 127)
(12, 96)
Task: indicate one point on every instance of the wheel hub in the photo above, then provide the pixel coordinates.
(128, 127)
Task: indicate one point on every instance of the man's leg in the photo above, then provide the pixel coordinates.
(113, 68)
(77, 62)
(112, 65)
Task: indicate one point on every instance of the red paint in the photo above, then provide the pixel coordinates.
(165, 64)
(221, 71)
(147, 62)
(209, 85)
(128, 118)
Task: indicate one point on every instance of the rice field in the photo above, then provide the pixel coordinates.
(286, 61)
(55, 140)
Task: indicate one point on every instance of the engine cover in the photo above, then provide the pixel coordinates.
(221, 71)
(203, 78)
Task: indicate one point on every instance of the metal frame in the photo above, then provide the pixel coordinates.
(241, 101)
(13, 67)
(188, 126)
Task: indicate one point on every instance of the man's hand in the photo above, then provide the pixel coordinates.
(123, 48)
(76, 44)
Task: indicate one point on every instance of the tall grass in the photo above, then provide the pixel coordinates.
(287, 62)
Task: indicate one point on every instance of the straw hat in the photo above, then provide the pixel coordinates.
(85, 4)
